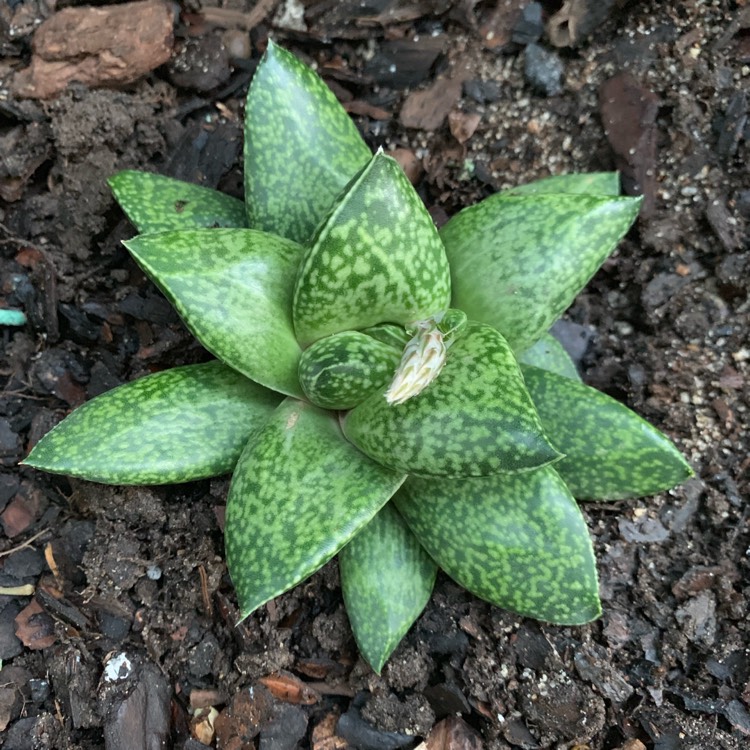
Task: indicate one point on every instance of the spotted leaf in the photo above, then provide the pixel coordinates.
(590, 183)
(377, 258)
(517, 540)
(155, 203)
(474, 419)
(301, 147)
(518, 261)
(299, 493)
(610, 452)
(175, 426)
(386, 579)
(341, 371)
(233, 288)
(548, 354)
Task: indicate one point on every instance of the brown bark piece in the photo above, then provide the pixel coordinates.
(577, 19)
(628, 112)
(286, 687)
(427, 109)
(34, 627)
(453, 734)
(97, 46)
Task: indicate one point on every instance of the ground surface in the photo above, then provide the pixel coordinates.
(663, 327)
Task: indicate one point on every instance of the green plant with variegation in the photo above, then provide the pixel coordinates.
(380, 390)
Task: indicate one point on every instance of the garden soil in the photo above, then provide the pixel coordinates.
(118, 623)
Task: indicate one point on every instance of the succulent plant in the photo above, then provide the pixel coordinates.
(381, 389)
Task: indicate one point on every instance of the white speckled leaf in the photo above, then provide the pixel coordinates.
(301, 147)
(587, 183)
(377, 258)
(175, 426)
(386, 579)
(299, 493)
(516, 540)
(155, 203)
(233, 288)
(518, 261)
(475, 419)
(548, 354)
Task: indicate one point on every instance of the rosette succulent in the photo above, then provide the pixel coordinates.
(381, 389)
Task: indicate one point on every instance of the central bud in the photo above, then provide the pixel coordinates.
(421, 362)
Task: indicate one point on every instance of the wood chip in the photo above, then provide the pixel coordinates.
(428, 108)
(97, 46)
(463, 125)
(35, 627)
(628, 112)
(453, 734)
(290, 689)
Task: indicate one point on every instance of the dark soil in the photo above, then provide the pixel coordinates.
(126, 631)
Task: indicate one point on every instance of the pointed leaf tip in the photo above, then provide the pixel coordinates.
(386, 578)
(175, 426)
(301, 147)
(518, 541)
(299, 493)
(377, 257)
(233, 288)
(518, 261)
(476, 418)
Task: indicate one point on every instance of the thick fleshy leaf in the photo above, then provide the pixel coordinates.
(341, 371)
(588, 183)
(518, 261)
(610, 452)
(377, 258)
(517, 540)
(155, 203)
(387, 579)
(549, 354)
(475, 419)
(301, 147)
(233, 288)
(393, 335)
(175, 426)
(299, 493)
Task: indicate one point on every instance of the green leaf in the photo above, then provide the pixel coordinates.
(517, 540)
(475, 419)
(387, 579)
(175, 426)
(589, 183)
(299, 493)
(341, 371)
(377, 258)
(518, 261)
(155, 203)
(301, 147)
(610, 452)
(548, 354)
(394, 336)
(233, 288)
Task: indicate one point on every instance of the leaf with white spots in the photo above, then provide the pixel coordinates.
(233, 288)
(518, 261)
(155, 203)
(341, 371)
(299, 493)
(175, 426)
(548, 354)
(518, 541)
(386, 579)
(610, 452)
(301, 147)
(376, 258)
(476, 418)
(587, 183)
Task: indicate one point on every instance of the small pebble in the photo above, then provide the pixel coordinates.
(543, 69)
